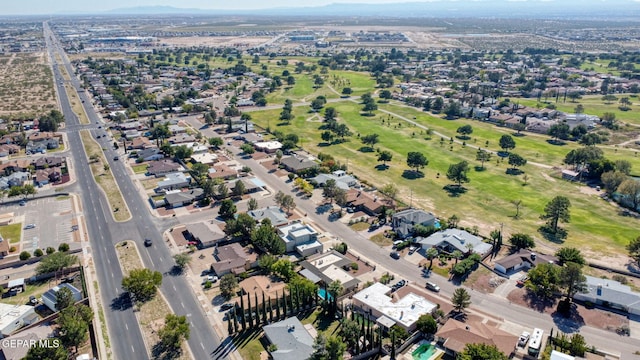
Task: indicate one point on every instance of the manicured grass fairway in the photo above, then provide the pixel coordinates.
(594, 226)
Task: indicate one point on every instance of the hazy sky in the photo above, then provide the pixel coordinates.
(20, 7)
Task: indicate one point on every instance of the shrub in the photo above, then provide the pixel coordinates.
(620, 278)
(50, 250)
(12, 249)
(354, 266)
(64, 247)
(38, 253)
(208, 284)
(25, 255)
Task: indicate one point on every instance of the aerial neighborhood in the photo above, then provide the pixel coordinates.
(297, 192)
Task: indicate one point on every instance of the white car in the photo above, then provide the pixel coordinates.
(523, 339)
(29, 226)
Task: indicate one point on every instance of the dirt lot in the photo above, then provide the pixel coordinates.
(222, 41)
(581, 316)
(26, 85)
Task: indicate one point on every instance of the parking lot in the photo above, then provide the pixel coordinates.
(45, 222)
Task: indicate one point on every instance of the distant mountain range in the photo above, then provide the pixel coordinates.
(576, 9)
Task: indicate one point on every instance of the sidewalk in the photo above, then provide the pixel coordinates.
(215, 321)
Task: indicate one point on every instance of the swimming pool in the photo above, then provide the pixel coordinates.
(423, 352)
(323, 294)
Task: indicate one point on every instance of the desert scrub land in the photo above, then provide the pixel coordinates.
(26, 85)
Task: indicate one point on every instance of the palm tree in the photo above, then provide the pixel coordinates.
(460, 300)
(457, 254)
(431, 254)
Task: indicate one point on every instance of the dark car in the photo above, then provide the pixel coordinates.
(395, 255)
(226, 306)
(147, 242)
(115, 158)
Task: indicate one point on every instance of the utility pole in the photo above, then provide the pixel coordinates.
(411, 199)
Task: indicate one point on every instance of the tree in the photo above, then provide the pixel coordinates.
(634, 249)
(431, 254)
(543, 280)
(74, 325)
(569, 254)
(175, 331)
(227, 209)
(25, 255)
(555, 211)
(483, 156)
(481, 352)
(330, 113)
(265, 237)
(516, 160)
(55, 262)
(458, 173)
(335, 289)
(452, 110)
(390, 190)
(522, 241)
(416, 160)
(347, 91)
(384, 156)
(182, 260)
(572, 279)
(64, 299)
(330, 189)
(385, 94)
(630, 189)
(370, 140)
(252, 204)
(611, 180)
(559, 131)
(465, 131)
(48, 350)
(507, 143)
(426, 324)
(327, 136)
(247, 149)
(240, 188)
(350, 330)
(328, 348)
(216, 142)
(182, 152)
(609, 120)
(369, 107)
(460, 300)
(142, 283)
(228, 285)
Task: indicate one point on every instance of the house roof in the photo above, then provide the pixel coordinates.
(611, 291)
(162, 166)
(523, 256)
(292, 340)
(204, 233)
(297, 164)
(232, 256)
(19, 352)
(273, 213)
(459, 239)
(459, 334)
(221, 171)
(404, 221)
(180, 197)
(328, 267)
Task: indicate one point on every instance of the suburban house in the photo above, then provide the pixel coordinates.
(388, 310)
(222, 171)
(523, 259)
(327, 267)
(297, 165)
(610, 293)
(367, 202)
(343, 181)
(28, 336)
(292, 340)
(251, 185)
(49, 297)
(177, 198)
(268, 147)
(300, 237)
(46, 176)
(454, 335)
(150, 154)
(205, 158)
(203, 234)
(161, 167)
(139, 143)
(173, 181)
(273, 213)
(450, 240)
(233, 258)
(13, 317)
(404, 221)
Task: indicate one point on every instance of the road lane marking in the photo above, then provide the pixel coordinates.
(127, 326)
(181, 303)
(202, 346)
(134, 350)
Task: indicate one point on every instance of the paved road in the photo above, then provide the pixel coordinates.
(105, 232)
(486, 303)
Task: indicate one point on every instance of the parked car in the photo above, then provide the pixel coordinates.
(412, 249)
(29, 226)
(523, 339)
(23, 203)
(522, 280)
(395, 255)
(226, 306)
(211, 278)
(432, 286)
(33, 300)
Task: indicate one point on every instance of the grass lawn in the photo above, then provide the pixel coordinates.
(323, 323)
(140, 169)
(152, 313)
(381, 240)
(488, 199)
(35, 289)
(11, 232)
(249, 344)
(359, 226)
(104, 178)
